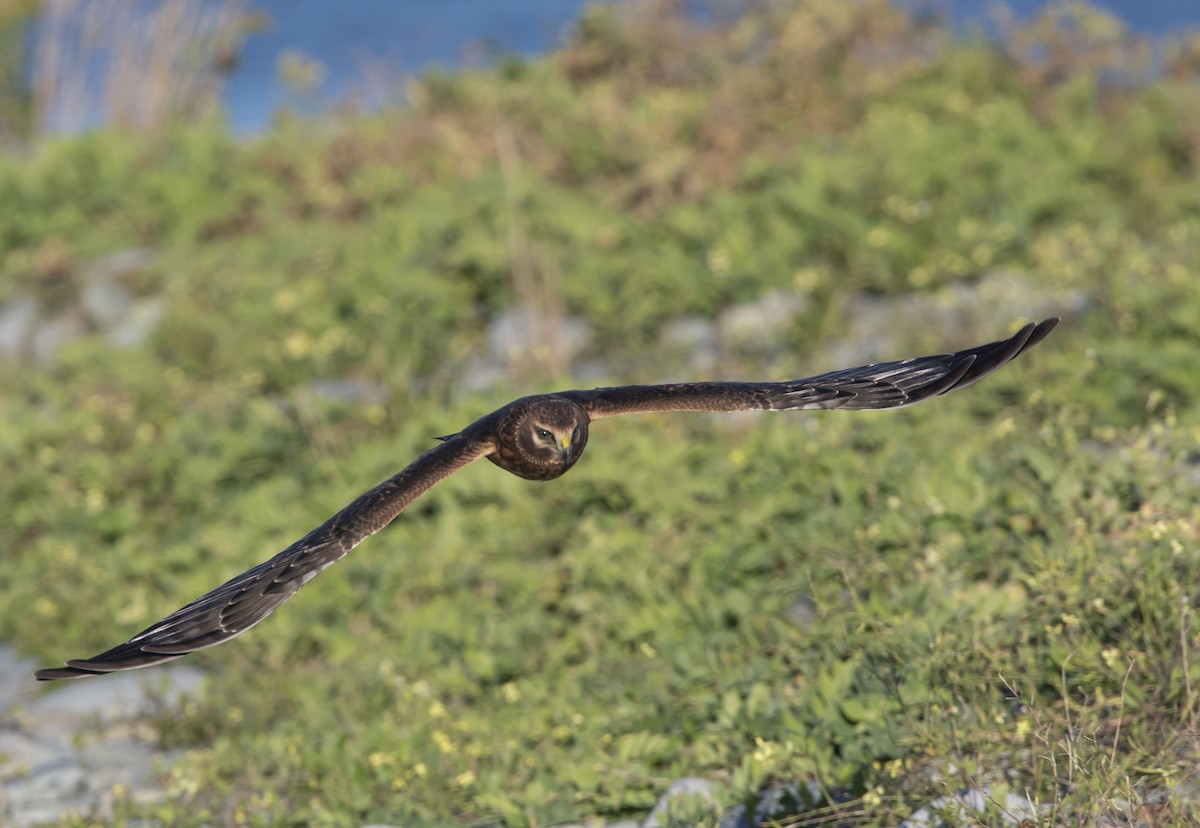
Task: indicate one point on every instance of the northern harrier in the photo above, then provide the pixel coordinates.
(537, 438)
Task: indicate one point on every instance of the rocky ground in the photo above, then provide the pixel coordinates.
(70, 750)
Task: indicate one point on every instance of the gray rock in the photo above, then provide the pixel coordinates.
(82, 783)
(890, 327)
(137, 325)
(58, 788)
(16, 676)
(803, 611)
(774, 805)
(353, 390)
(52, 334)
(120, 264)
(763, 322)
(521, 344)
(1187, 792)
(695, 337)
(118, 697)
(21, 755)
(105, 302)
(122, 761)
(688, 333)
(682, 800)
(63, 752)
(963, 808)
(481, 375)
(17, 321)
(1157, 796)
(591, 371)
(1118, 812)
(519, 333)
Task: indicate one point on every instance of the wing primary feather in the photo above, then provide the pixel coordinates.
(237, 605)
(876, 386)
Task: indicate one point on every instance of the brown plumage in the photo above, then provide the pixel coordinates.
(538, 438)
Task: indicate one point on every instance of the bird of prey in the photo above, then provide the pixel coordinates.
(537, 438)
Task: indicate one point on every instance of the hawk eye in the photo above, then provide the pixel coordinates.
(544, 434)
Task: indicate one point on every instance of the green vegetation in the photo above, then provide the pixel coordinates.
(526, 654)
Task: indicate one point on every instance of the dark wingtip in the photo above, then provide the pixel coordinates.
(127, 656)
(1032, 334)
(1040, 331)
(78, 668)
(990, 357)
(447, 438)
(63, 674)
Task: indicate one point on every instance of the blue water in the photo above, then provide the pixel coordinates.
(359, 39)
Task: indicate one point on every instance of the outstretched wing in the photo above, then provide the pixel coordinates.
(236, 606)
(880, 385)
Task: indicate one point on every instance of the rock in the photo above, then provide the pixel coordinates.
(136, 326)
(122, 761)
(695, 337)
(591, 371)
(57, 788)
(52, 334)
(352, 390)
(962, 810)
(17, 321)
(481, 375)
(762, 323)
(519, 334)
(1118, 812)
(16, 673)
(105, 302)
(63, 752)
(21, 755)
(1187, 793)
(891, 327)
(523, 344)
(120, 264)
(802, 612)
(102, 304)
(774, 805)
(688, 333)
(114, 698)
(682, 800)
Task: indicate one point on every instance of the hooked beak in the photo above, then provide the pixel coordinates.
(565, 447)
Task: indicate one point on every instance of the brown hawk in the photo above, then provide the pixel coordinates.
(538, 438)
